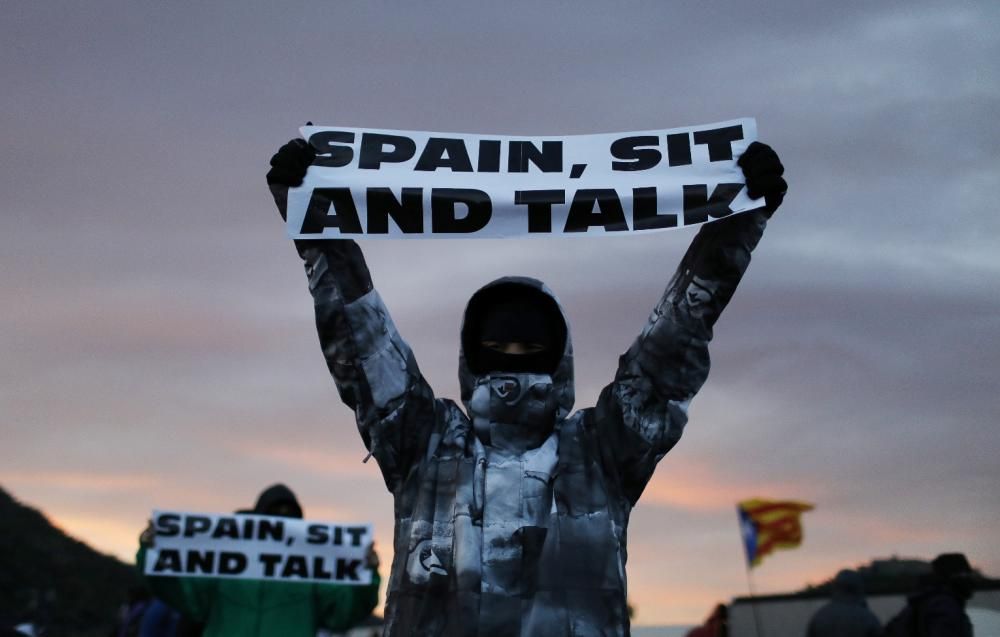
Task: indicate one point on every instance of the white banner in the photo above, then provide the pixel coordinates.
(378, 183)
(258, 547)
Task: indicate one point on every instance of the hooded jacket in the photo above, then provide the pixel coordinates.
(260, 608)
(936, 611)
(847, 613)
(519, 537)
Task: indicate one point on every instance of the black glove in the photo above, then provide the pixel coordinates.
(290, 163)
(288, 170)
(762, 170)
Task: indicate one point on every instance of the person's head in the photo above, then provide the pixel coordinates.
(516, 366)
(513, 328)
(278, 500)
(848, 584)
(954, 571)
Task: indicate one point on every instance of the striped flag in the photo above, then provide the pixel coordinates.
(767, 525)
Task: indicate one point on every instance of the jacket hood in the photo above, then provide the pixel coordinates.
(276, 494)
(562, 377)
(848, 586)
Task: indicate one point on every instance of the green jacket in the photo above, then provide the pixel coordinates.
(255, 608)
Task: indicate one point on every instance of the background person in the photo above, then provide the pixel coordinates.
(847, 613)
(716, 625)
(242, 607)
(939, 609)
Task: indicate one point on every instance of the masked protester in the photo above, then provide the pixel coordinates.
(511, 514)
(240, 607)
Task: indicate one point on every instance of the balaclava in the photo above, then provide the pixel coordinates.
(517, 314)
(513, 404)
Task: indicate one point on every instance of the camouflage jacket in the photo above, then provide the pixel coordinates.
(530, 542)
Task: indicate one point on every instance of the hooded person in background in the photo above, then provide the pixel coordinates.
(939, 609)
(511, 515)
(847, 613)
(942, 607)
(262, 608)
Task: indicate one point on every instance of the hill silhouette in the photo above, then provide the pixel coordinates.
(890, 576)
(54, 580)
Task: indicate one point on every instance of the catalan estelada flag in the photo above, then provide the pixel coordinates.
(767, 525)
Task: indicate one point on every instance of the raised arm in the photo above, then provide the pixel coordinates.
(373, 367)
(640, 416)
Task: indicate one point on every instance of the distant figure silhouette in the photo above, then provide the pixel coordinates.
(131, 612)
(847, 613)
(939, 609)
(159, 620)
(717, 624)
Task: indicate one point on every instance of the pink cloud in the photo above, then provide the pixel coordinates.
(693, 485)
(118, 537)
(81, 481)
(308, 458)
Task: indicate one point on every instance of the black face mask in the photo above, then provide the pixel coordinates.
(511, 313)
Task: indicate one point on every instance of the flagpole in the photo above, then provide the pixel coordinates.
(748, 564)
(753, 604)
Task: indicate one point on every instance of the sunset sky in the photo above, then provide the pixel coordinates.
(157, 339)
